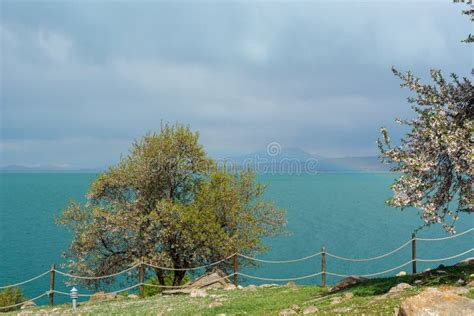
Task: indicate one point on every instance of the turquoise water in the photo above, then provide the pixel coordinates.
(343, 212)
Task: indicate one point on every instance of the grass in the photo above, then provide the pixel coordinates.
(367, 298)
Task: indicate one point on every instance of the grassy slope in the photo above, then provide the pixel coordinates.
(367, 298)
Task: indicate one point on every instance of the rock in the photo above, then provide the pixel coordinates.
(198, 293)
(399, 288)
(461, 282)
(471, 283)
(291, 284)
(251, 287)
(455, 290)
(401, 273)
(287, 311)
(310, 310)
(346, 282)
(433, 301)
(214, 304)
(211, 280)
(264, 286)
(230, 287)
(295, 307)
(240, 287)
(102, 296)
(465, 262)
(133, 296)
(336, 300)
(348, 295)
(440, 272)
(27, 304)
(418, 282)
(427, 270)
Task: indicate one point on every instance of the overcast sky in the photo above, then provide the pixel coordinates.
(80, 81)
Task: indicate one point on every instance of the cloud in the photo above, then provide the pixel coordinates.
(95, 76)
(55, 45)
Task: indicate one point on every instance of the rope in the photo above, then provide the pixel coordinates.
(372, 258)
(279, 280)
(98, 277)
(89, 295)
(444, 238)
(372, 274)
(448, 258)
(190, 269)
(279, 261)
(30, 300)
(27, 281)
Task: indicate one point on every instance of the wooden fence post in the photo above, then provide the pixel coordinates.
(141, 276)
(413, 252)
(236, 270)
(323, 266)
(51, 284)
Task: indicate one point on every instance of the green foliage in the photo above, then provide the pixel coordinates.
(11, 296)
(151, 291)
(167, 204)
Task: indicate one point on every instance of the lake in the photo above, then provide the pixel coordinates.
(345, 212)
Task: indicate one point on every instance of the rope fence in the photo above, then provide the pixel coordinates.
(142, 264)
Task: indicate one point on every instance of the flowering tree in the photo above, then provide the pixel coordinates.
(436, 157)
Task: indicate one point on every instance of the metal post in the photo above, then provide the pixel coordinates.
(142, 279)
(51, 284)
(323, 266)
(413, 252)
(74, 296)
(236, 270)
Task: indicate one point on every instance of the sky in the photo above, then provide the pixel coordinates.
(80, 81)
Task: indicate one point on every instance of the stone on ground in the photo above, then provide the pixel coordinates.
(310, 310)
(295, 307)
(291, 284)
(434, 301)
(211, 280)
(230, 287)
(346, 282)
(399, 288)
(102, 296)
(401, 273)
(251, 287)
(198, 293)
(28, 305)
(268, 285)
(287, 311)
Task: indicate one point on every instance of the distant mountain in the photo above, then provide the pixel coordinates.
(45, 168)
(353, 164)
(286, 160)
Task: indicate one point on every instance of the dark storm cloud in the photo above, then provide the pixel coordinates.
(80, 81)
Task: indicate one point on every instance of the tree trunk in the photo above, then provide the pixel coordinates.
(178, 277)
(160, 276)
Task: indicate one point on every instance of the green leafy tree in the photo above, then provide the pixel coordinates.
(166, 203)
